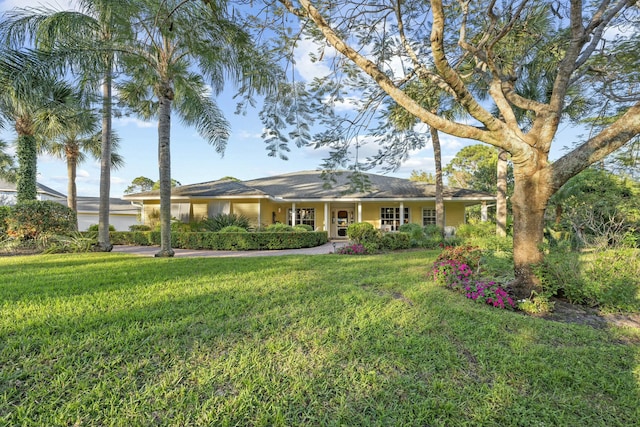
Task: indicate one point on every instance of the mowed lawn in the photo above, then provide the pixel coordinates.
(328, 340)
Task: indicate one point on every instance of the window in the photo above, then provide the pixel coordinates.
(428, 217)
(180, 211)
(304, 216)
(390, 218)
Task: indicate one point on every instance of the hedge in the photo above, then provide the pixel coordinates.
(224, 241)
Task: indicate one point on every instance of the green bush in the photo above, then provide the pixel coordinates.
(429, 236)
(139, 227)
(180, 227)
(94, 228)
(606, 279)
(302, 227)
(233, 229)
(223, 220)
(29, 219)
(475, 230)
(363, 232)
(278, 228)
(410, 228)
(5, 211)
(224, 241)
(395, 241)
(432, 231)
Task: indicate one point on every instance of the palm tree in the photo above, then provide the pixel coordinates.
(87, 39)
(80, 137)
(34, 104)
(171, 67)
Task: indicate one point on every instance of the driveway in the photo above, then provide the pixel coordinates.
(149, 251)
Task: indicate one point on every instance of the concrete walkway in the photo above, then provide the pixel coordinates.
(149, 251)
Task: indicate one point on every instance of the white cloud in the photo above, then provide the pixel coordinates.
(124, 121)
(82, 173)
(307, 68)
(243, 134)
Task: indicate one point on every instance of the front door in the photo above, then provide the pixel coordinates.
(342, 222)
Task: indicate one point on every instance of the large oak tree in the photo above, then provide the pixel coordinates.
(486, 56)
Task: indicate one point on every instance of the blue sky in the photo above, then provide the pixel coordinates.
(193, 160)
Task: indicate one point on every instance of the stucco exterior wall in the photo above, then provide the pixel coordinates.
(265, 212)
(247, 209)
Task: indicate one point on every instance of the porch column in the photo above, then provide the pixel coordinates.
(327, 220)
(484, 212)
(359, 211)
(259, 213)
(401, 214)
(293, 214)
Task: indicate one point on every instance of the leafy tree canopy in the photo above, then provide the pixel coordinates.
(142, 183)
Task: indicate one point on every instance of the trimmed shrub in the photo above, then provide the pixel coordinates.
(363, 232)
(224, 241)
(395, 241)
(233, 229)
(278, 228)
(28, 220)
(139, 227)
(94, 228)
(302, 227)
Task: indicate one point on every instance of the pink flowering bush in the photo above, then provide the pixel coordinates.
(451, 273)
(457, 275)
(355, 249)
(490, 293)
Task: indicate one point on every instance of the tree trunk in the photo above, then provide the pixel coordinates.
(530, 198)
(72, 197)
(501, 197)
(104, 240)
(437, 155)
(164, 168)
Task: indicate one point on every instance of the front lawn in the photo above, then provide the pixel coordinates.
(328, 340)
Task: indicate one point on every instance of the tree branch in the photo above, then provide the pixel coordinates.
(452, 128)
(607, 141)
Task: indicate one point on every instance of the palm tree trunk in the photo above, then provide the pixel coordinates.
(164, 165)
(501, 199)
(27, 154)
(72, 197)
(437, 155)
(104, 240)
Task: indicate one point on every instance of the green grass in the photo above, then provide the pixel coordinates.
(107, 339)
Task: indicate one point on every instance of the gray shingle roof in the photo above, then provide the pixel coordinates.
(10, 187)
(116, 206)
(310, 185)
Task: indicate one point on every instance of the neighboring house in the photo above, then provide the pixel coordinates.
(305, 198)
(9, 193)
(122, 214)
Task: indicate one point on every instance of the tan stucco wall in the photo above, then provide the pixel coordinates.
(268, 210)
(199, 211)
(147, 209)
(454, 212)
(247, 209)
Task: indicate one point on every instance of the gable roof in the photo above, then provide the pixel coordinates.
(10, 187)
(309, 185)
(116, 206)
